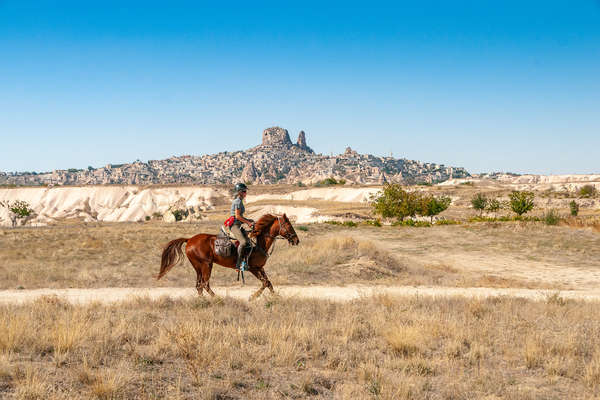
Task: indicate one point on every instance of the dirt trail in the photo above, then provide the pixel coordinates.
(333, 293)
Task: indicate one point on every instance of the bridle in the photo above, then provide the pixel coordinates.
(287, 234)
(284, 235)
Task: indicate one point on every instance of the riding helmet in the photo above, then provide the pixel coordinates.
(241, 187)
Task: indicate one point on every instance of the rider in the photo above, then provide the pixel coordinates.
(237, 211)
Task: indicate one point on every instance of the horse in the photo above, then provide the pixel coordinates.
(200, 251)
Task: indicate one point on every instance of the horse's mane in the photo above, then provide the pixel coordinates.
(263, 224)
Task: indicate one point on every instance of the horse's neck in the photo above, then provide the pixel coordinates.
(266, 240)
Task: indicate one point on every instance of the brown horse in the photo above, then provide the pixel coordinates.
(200, 251)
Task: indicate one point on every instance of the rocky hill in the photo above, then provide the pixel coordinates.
(275, 160)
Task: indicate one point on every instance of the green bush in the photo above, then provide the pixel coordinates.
(18, 209)
(350, 224)
(551, 217)
(479, 202)
(521, 202)
(574, 208)
(302, 228)
(395, 202)
(178, 214)
(432, 206)
(588, 191)
(331, 181)
(147, 218)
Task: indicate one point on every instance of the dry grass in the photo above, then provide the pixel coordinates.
(383, 347)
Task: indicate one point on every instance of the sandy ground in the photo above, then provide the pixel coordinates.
(333, 293)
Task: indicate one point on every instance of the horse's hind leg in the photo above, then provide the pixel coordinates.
(206, 271)
(199, 285)
(203, 270)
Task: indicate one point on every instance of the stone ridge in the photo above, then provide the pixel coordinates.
(275, 160)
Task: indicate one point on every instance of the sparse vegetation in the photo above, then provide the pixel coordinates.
(521, 202)
(551, 217)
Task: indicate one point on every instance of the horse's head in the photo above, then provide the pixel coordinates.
(287, 230)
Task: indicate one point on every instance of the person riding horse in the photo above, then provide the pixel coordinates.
(237, 212)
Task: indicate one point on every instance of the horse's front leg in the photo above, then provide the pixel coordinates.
(262, 276)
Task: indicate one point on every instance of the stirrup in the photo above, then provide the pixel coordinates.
(243, 266)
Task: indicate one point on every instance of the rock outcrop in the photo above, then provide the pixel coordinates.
(276, 136)
(302, 142)
(275, 160)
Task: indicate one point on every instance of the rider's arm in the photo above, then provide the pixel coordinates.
(239, 217)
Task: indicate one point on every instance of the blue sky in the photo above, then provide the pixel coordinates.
(488, 85)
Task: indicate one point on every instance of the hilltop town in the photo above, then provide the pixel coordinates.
(275, 160)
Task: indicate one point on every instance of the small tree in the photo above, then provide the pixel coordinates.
(493, 206)
(588, 191)
(18, 209)
(574, 208)
(521, 202)
(395, 202)
(432, 206)
(479, 201)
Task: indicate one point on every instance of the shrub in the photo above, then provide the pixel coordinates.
(302, 228)
(574, 208)
(432, 206)
(374, 222)
(350, 224)
(479, 201)
(331, 181)
(18, 209)
(178, 214)
(493, 205)
(147, 218)
(588, 191)
(395, 202)
(413, 223)
(521, 202)
(551, 217)
(447, 222)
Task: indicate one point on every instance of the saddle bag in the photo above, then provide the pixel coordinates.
(224, 246)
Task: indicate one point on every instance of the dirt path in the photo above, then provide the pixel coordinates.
(333, 293)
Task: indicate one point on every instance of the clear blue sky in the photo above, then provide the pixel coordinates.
(488, 85)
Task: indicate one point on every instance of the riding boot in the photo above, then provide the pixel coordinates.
(240, 250)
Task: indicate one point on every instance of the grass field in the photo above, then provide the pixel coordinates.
(479, 254)
(383, 347)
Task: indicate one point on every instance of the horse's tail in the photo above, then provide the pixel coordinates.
(171, 255)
